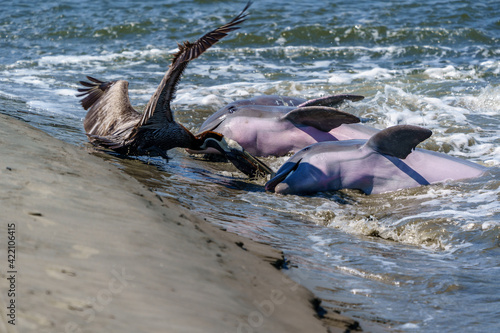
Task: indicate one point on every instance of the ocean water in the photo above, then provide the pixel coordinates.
(424, 259)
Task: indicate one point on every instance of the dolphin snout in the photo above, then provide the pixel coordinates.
(282, 188)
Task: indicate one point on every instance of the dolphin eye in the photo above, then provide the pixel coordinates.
(232, 109)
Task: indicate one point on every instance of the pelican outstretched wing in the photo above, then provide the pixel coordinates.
(94, 90)
(109, 108)
(158, 110)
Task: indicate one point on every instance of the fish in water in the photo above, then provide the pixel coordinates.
(277, 125)
(112, 122)
(388, 161)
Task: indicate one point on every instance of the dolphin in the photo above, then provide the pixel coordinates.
(274, 125)
(386, 162)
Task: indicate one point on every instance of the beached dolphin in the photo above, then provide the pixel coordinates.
(383, 163)
(112, 122)
(277, 125)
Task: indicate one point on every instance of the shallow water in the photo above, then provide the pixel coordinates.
(424, 259)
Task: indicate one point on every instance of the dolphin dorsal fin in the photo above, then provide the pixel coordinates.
(398, 141)
(321, 117)
(332, 101)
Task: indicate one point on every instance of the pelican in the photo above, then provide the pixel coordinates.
(112, 122)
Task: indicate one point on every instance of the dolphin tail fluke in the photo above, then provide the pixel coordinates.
(320, 117)
(332, 101)
(398, 141)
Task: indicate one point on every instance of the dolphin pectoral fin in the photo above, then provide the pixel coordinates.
(282, 173)
(332, 100)
(321, 117)
(399, 140)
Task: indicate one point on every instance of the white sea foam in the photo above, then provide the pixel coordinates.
(409, 326)
(50, 108)
(448, 72)
(492, 65)
(428, 226)
(65, 92)
(363, 292)
(487, 101)
(360, 273)
(7, 95)
(104, 57)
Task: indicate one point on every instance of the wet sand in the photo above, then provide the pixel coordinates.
(96, 251)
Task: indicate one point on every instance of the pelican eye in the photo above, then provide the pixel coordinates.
(232, 109)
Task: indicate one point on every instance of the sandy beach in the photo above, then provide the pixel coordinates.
(96, 251)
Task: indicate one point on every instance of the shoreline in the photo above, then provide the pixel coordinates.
(97, 251)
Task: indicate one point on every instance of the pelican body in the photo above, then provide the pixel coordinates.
(112, 122)
(383, 163)
(277, 125)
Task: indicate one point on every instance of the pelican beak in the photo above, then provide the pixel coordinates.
(243, 161)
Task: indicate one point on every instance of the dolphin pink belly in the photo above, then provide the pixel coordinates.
(439, 167)
(268, 137)
(421, 167)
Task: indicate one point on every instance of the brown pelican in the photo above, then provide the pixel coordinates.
(112, 122)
